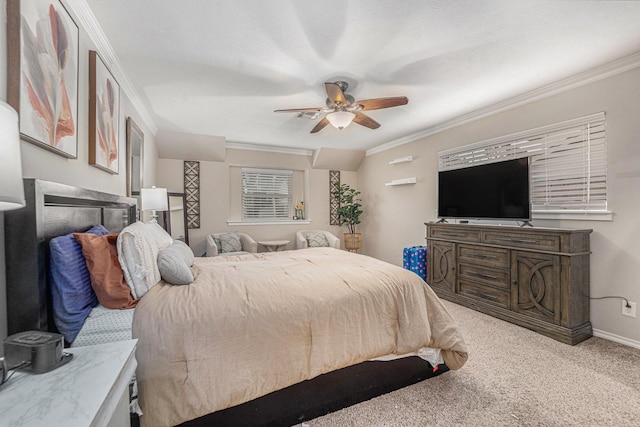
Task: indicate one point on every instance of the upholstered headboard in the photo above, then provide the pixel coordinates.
(52, 210)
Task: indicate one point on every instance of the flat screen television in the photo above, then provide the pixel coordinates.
(490, 191)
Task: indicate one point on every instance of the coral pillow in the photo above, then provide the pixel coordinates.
(106, 275)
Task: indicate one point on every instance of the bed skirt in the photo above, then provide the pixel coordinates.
(324, 394)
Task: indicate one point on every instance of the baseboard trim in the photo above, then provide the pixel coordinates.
(616, 338)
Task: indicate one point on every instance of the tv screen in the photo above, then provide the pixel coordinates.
(491, 191)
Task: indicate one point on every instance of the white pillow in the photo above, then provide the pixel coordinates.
(174, 263)
(162, 238)
(132, 268)
(138, 253)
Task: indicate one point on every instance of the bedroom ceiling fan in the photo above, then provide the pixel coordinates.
(341, 108)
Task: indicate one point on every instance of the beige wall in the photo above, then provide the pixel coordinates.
(396, 215)
(219, 187)
(40, 163)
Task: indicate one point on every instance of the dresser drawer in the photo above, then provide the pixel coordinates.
(540, 241)
(484, 255)
(485, 293)
(444, 232)
(498, 277)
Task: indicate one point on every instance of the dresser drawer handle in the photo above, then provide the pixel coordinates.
(483, 256)
(486, 276)
(504, 239)
(453, 234)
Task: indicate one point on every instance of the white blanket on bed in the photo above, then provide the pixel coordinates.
(256, 323)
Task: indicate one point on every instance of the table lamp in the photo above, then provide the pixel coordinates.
(154, 199)
(12, 188)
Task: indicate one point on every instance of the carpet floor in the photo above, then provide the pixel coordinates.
(514, 377)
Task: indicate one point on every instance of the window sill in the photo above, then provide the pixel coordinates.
(236, 223)
(573, 215)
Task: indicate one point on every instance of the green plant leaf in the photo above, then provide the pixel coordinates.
(349, 209)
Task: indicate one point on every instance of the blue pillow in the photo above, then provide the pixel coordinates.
(72, 295)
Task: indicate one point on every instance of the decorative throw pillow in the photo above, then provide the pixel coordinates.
(229, 242)
(174, 263)
(106, 275)
(216, 240)
(317, 240)
(72, 295)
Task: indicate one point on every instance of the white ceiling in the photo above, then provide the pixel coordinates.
(221, 67)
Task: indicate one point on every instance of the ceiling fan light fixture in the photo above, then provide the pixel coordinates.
(340, 119)
(341, 108)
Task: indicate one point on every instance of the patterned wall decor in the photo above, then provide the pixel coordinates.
(192, 193)
(334, 177)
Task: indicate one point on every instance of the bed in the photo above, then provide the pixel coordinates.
(270, 371)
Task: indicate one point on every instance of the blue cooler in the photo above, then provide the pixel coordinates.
(415, 259)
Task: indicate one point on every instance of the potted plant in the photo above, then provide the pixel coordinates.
(348, 213)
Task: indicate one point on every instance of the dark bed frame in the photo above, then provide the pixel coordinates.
(52, 210)
(55, 209)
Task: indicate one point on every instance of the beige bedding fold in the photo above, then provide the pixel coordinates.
(256, 323)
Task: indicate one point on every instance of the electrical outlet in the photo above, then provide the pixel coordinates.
(629, 311)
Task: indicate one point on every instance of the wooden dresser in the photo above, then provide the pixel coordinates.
(534, 277)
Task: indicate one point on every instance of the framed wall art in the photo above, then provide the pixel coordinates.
(42, 73)
(104, 115)
(135, 161)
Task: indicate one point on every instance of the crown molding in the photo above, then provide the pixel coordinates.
(268, 148)
(91, 25)
(595, 74)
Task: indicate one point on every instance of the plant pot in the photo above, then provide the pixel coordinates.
(352, 241)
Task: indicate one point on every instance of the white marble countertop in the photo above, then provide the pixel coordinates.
(82, 393)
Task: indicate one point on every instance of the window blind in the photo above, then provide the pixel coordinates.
(568, 163)
(266, 194)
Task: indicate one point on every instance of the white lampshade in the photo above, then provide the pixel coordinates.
(11, 186)
(154, 199)
(340, 119)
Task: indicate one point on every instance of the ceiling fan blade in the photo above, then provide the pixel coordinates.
(298, 110)
(321, 124)
(364, 120)
(335, 94)
(378, 103)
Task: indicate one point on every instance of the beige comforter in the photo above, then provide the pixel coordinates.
(252, 324)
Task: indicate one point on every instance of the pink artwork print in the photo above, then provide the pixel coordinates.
(48, 77)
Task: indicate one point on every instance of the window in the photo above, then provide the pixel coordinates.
(266, 194)
(568, 173)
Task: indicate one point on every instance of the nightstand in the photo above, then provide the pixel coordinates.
(91, 390)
